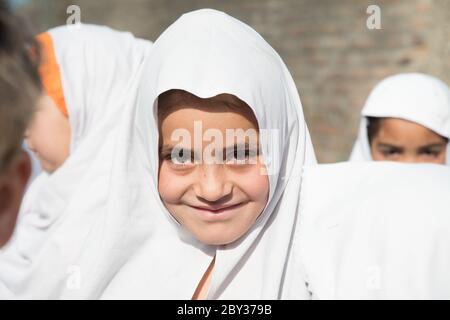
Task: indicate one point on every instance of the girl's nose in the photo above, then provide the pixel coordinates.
(410, 159)
(212, 184)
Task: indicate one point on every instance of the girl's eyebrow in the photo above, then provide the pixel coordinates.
(167, 148)
(390, 146)
(432, 145)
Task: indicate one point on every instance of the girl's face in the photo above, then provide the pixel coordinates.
(216, 201)
(48, 135)
(405, 141)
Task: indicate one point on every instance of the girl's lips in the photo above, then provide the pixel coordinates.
(215, 213)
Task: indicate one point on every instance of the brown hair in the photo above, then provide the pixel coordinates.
(177, 98)
(373, 126)
(19, 82)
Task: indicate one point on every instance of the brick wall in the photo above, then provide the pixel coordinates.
(335, 60)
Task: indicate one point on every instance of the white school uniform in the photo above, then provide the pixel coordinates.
(376, 230)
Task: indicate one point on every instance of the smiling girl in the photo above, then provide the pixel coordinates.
(222, 211)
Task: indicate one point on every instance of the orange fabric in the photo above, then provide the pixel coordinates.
(50, 72)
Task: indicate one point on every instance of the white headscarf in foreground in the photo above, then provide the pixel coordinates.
(376, 230)
(207, 53)
(117, 205)
(98, 68)
(415, 97)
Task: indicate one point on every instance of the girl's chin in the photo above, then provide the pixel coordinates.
(48, 167)
(212, 239)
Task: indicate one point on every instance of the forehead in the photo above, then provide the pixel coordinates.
(406, 131)
(180, 109)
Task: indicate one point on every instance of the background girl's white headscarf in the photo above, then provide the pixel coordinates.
(98, 67)
(415, 97)
(376, 230)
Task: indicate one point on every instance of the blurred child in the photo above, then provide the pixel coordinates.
(406, 118)
(87, 72)
(19, 89)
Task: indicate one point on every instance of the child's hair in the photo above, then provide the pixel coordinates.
(177, 97)
(19, 82)
(373, 126)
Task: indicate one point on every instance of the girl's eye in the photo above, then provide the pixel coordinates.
(180, 157)
(430, 153)
(391, 152)
(241, 156)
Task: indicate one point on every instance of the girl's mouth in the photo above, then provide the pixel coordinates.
(217, 212)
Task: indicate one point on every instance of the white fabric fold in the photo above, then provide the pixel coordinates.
(376, 230)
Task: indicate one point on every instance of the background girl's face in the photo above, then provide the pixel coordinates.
(216, 202)
(405, 141)
(48, 135)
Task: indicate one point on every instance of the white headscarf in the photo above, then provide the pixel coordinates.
(206, 53)
(376, 230)
(415, 97)
(98, 68)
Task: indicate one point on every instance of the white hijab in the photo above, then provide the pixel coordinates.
(98, 67)
(415, 97)
(207, 53)
(376, 230)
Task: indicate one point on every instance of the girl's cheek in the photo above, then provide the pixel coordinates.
(33, 141)
(38, 132)
(261, 187)
(171, 186)
(163, 183)
(255, 183)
